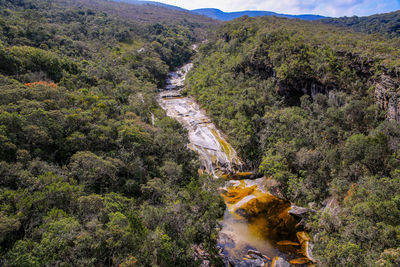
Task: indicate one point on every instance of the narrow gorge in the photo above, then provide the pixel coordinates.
(256, 229)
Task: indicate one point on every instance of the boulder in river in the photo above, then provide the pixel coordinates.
(224, 240)
(280, 262)
(253, 261)
(300, 261)
(254, 252)
(266, 204)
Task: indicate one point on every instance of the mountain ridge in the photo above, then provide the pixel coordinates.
(218, 14)
(226, 16)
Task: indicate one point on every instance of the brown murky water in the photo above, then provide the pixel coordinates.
(254, 218)
(257, 220)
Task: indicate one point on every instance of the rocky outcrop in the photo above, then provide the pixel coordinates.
(201, 256)
(280, 262)
(299, 212)
(253, 258)
(293, 92)
(387, 96)
(386, 86)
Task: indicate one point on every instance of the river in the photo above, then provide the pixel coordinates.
(256, 229)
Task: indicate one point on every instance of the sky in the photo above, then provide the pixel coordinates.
(333, 8)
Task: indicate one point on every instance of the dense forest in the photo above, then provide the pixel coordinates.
(297, 100)
(92, 172)
(387, 23)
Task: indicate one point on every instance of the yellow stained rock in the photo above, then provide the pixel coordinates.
(226, 148)
(274, 260)
(268, 215)
(266, 257)
(304, 247)
(224, 176)
(235, 194)
(299, 261)
(267, 204)
(302, 237)
(237, 176)
(287, 243)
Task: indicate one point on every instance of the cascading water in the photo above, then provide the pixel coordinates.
(216, 155)
(256, 229)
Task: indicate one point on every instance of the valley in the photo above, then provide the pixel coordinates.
(141, 134)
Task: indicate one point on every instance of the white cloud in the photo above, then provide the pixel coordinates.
(322, 7)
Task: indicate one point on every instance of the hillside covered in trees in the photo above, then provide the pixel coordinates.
(297, 99)
(387, 23)
(92, 173)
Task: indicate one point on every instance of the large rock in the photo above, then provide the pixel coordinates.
(280, 262)
(201, 255)
(224, 240)
(300, 212)
(253, 258)
(254, 252)
(388, 97)
(264, 204)
(256, 262)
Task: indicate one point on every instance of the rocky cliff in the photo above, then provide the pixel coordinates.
(387, 95)
(386, 83)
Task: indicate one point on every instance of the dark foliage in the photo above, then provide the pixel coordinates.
(86, 177)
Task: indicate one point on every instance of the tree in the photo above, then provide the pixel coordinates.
(95, 173)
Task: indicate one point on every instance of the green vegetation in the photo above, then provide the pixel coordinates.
(86, 179)
(296, 100)
(387, 24)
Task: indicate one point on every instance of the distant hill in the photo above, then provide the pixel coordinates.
(387, 23)
(143, 11)
(138, 2)
(220, 15)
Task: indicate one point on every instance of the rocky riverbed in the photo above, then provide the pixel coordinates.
(257, 229)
